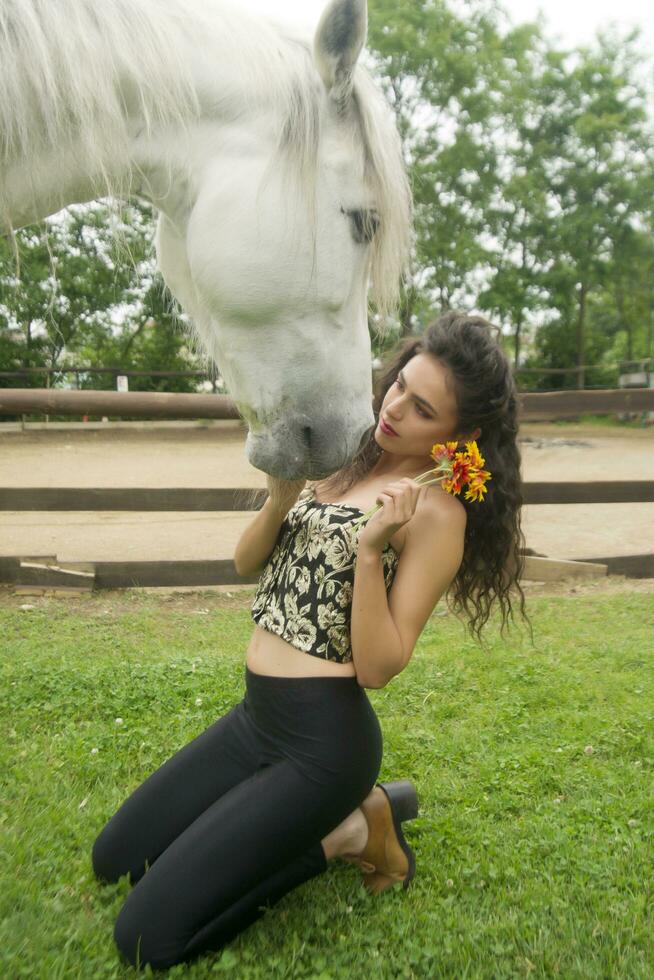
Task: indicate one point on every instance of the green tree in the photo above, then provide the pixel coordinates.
(517, 216)
(83, 288)
(441, 73)
(592, 145)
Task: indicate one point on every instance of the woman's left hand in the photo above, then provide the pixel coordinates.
(399, 501)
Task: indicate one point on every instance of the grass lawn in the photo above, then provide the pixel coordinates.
(534, 767)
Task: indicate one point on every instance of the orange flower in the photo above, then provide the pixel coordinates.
(476, 459)
(460, 471)
(476, 488)
(443, 452)
(453, 470)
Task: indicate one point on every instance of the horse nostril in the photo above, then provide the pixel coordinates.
(306, 435)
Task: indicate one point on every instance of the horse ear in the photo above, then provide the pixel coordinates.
(340, 36)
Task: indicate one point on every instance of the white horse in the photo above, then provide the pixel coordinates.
(277, 170)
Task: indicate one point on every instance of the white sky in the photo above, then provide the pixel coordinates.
(569, 22)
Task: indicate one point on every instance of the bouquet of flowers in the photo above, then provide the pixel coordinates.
(453, 469)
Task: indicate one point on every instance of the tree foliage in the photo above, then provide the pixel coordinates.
(82, 290)
(532, 170)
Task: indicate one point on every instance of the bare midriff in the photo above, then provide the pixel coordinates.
(271, 654)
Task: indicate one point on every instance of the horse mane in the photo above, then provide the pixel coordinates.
(75, 73)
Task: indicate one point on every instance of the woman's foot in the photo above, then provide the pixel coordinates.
(387, 857)
(348, 839)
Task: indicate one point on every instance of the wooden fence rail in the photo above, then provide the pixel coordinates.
(39, 573)
(135, 404)
(44, 572)
(534, 406)
(185, 499)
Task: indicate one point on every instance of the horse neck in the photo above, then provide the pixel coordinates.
(123, 143)
(50, 179)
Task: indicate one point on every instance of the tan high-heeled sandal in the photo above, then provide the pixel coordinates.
(387, 858)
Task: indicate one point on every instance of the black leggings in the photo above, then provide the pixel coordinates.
(234, 820)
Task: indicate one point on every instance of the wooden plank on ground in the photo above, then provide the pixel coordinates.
(79, 576)
(56, 591)
(631, 566)
(10, 565)
(8, 569)
(557, 569)
(135, 574)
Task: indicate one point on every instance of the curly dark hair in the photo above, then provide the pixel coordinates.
(486, 397)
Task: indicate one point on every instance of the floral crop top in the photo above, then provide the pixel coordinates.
(304, 593)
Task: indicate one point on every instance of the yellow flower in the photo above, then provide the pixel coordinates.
(476, 488)
(453, 470)
(476, 459)
(476, 492)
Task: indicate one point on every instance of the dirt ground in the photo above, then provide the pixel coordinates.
(213, 455)
(202, 601)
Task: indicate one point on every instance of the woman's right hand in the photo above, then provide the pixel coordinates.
(284, 493)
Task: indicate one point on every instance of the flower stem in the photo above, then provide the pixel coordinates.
(419, 479)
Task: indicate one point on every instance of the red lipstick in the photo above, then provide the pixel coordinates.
(385, 427)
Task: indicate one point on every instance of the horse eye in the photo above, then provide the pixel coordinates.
(364, 224)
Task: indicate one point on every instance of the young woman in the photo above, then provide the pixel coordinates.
(285, 781)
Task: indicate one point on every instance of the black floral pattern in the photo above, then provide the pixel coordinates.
(304, 593)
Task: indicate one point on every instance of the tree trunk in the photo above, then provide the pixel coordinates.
(406, 312)
(518, 327)
(619, 302)
(581, 323)
(126, 349)
(28, 344)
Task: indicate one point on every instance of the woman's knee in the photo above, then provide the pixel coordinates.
(128, 937)
(108, 857)
(142, 941)
(136, 943)
(102, 858)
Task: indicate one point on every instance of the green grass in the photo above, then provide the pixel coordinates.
(534, 853)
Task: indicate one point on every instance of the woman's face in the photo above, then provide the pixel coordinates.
(420, 408)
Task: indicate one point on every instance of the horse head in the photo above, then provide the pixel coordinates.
(274, 266)
(276, 166)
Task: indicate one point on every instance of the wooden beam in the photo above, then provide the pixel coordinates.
(532, 405)
(631, 566)
(126, 574)
(131, 574)
(589, 492)
(557, 569)
(56, 591)
(186, 499)
(539, 406)
(79, 576)
(125, 498)
(133, 404)
(142, 574)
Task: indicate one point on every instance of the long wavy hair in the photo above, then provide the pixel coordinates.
(486, 397)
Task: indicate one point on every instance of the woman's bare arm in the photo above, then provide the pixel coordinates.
(260, 536)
